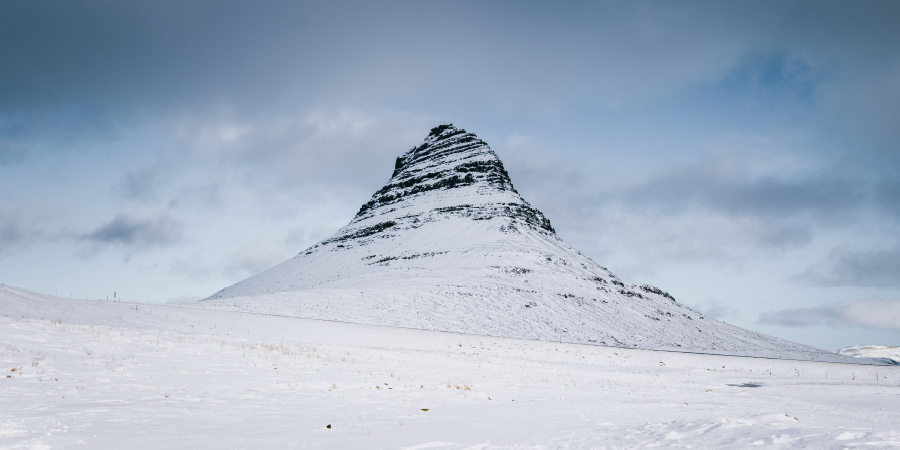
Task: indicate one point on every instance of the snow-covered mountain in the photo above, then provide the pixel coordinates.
(886, 353)
(448, 244)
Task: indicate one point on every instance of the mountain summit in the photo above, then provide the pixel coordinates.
(453, 173)
(448, 244)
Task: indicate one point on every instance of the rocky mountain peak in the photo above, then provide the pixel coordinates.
(455, 172)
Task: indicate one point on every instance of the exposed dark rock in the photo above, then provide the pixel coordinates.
(450, 158)
(657, 291)
(363, 232)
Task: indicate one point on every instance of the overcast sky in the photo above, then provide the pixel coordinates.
(744, 156)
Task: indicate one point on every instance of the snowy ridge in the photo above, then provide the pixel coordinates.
(448, 244)
(886, 353)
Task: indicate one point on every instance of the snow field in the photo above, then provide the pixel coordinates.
(114, 375)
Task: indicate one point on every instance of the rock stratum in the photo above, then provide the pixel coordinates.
(448, 244)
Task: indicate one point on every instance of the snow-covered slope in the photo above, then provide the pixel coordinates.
(448, 244)
(885, 353)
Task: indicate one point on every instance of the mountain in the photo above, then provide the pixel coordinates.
(885, 353)
(449, 244)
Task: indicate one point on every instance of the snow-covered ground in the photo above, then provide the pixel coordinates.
(86, 374)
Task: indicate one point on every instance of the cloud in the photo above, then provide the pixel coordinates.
(226, 156)
(874, 314)
(869, 268)
(315, 147)
(733, 183)
(745, 198)
(136, 230)
(317, 53)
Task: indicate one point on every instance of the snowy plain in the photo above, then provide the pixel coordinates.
(91, 374)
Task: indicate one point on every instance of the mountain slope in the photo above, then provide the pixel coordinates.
(448, 244)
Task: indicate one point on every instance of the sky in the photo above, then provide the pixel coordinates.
(743, 156)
